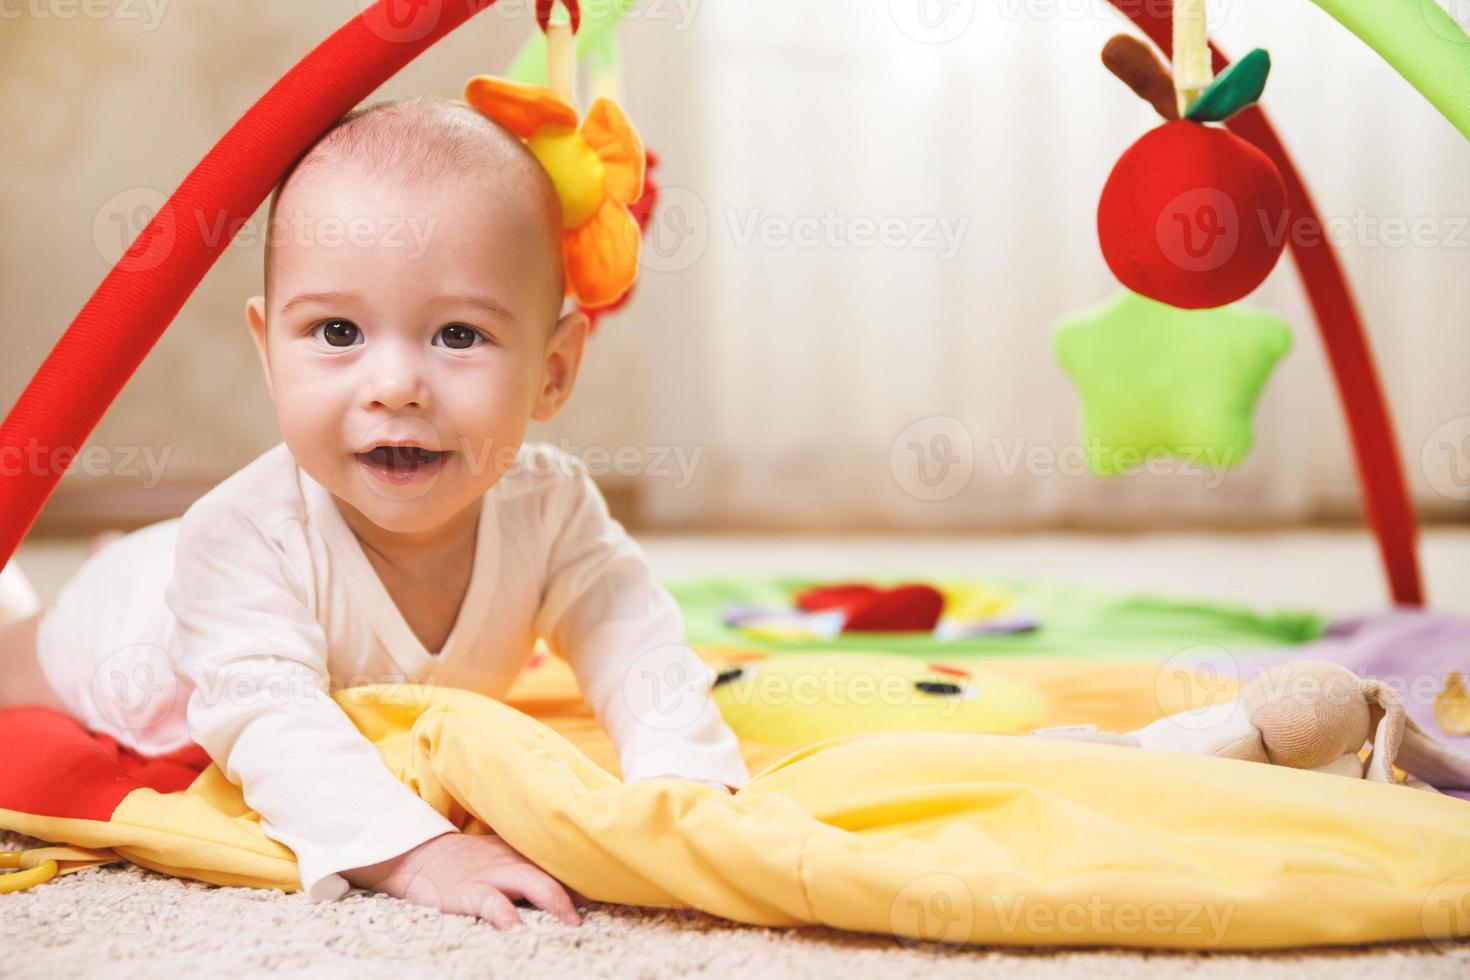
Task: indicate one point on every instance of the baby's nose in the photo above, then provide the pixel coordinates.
(398, 386)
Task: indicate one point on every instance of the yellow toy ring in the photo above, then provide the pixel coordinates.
(21, 880)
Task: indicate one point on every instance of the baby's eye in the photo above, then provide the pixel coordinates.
(338, 333)
(459, 336)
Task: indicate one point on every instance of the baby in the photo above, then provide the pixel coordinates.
(401, 532)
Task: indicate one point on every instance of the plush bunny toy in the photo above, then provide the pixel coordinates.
(1307, 714)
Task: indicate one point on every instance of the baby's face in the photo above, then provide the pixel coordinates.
(420, 316)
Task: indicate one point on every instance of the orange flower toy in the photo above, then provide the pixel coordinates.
(597, 164)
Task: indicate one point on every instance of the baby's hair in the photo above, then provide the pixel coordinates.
(427, 139)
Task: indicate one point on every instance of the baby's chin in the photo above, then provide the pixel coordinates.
(407, 503)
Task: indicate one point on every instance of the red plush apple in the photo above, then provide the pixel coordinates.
(1192, 216)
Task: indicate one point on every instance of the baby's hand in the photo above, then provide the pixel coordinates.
(469, 874)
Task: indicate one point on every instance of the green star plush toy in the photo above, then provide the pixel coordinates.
(1158, 380)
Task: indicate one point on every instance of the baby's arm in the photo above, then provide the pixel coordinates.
(256, 658)
(260, 707)
(623, 635)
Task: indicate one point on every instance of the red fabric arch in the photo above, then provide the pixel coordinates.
(1375, 448)
(143, 293)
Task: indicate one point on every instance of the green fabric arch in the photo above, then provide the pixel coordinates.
(1421, 42)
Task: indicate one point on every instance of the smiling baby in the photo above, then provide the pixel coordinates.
(402, 531)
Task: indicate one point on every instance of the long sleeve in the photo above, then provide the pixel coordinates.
(623, 635)
(256, 658)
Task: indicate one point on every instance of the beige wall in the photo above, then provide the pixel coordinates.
(791, 372)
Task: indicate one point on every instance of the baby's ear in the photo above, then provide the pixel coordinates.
(255, 319)
(563, 360)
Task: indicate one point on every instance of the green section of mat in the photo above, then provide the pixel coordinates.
(1076, 620)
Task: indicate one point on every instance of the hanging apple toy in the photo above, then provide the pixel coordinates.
(1191, 214)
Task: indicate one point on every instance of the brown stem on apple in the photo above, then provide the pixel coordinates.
(1140, 69)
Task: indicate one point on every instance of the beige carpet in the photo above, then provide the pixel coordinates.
(122, 921)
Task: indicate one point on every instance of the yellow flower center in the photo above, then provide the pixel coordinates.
(575, 170)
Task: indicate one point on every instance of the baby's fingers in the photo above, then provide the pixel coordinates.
(542, 891)
(488, 903)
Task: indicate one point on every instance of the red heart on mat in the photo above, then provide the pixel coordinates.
(873, 610)
(823, 597)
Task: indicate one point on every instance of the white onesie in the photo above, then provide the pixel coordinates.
(230, 625)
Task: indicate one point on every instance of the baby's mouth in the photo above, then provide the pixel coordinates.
(397, 459)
